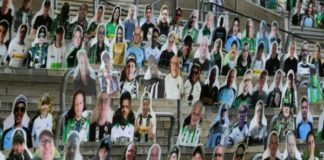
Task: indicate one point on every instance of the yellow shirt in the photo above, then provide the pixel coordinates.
(118, 53)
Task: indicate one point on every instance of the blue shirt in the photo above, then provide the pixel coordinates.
(129, 29)
(7, 137)
(303, 129)
(226, 95)
(139, 55)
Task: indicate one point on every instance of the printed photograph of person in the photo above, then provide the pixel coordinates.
(123, 121)
(147, 22)
(136, 48)
(107, 80)
(175, 153)
(202, 56)
(240, 128)
(291, 150)
(19, 149)
(153, 47)
(154, 153)
(220, 31)
(74, 119)
(118, 46)
(260, 91)
(275, 91)
(234, 34)
(239, 152)
(290, 59)
(56, 51)
(189, 133)
(216, 55)
(209, 89)
(128, 79)
(220, 128)
(316, 60)
(191, 27)
(98, 45)
(101, 118)
(113, 22)
(145, 122)
(72, 147)
(18, 118)
(249, 35)
(275, 35)
(129, 152)
(84, 76)
(230, 59)
(218, 153)
(258, 126)
(304, 120)
(163, 23)
(198, 153)
(227, 91)
(244, 60)
(176, 25)
(289, 92)
(311, 151)
(130, 22)
(104, 150)
(285, 120)
(98, 18)
(258, 60)
(245, 90)
(154, 80)
(73, 48)
(186, 54)
(207, 28)
(174, 89)
(46, 149)
(272, 63)
(4, 27)
(169, 49)
(303, 67)
(262, 36)
(43, 16)
(272, 151)
(42, 120)
(37, 54)
(192, 86)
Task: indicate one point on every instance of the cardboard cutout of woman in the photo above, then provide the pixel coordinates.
(316, 60)
(113, 22)
(240, 152)
(84, 76)
(74, 119)
(43, 119)
(97, 19)
(189, 133)
(220, 128)
(169, 49)
(192, 86)
(154, 153)
(73, 48)
(258, 125)
(234, 35)
(209, 90)
(244, 60)
(249, 35)
(107, 80)
(291, 151)
(37, 54)
(245, 90)
(118, 46)
(130, 152)
(99, 44)
(262, 36)
(207, 29)
(18, 118)
(275, 91)
(145, 123)
(289, 92)
(258, 60)
(101, 118)
(216, 55)
(272, 151)
(227, 91)
(72, 147)
(175, 153)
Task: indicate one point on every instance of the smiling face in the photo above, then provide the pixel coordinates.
(130, 70)
(119, 35)
(304, 110)
(154, 154)
(125, 108)
(195, 116)
(130, 153)
(19, 112)
(236, 27)
(46, 147)
(116, 14)
(210, 20)
(103, 104)
(146, 107)
(311, 143)
(286, 110)
(291, 145)
(18, 148)
(77, 39)
(22, 35)
(83, 64)
(164, 14)
(101, 33)
(174, 63)
(273, 145)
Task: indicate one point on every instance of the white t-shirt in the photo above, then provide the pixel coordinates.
(173, 87)
(18, 54)
(55, 56)
(155, 52)
(126, 135)
(39, 125)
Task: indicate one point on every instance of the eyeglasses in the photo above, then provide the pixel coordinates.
(19, 109)
(46, 141)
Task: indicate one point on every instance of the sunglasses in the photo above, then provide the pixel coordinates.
(19, 109)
